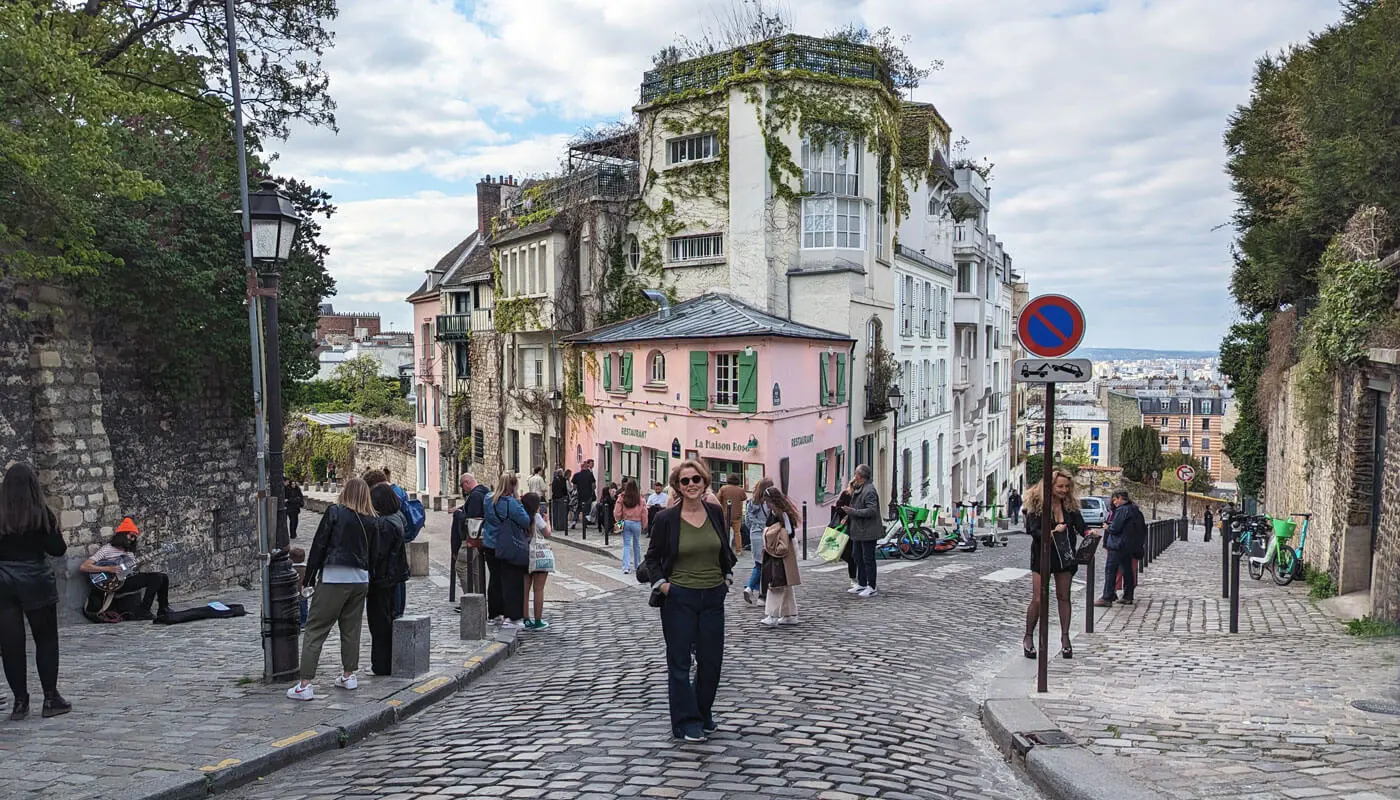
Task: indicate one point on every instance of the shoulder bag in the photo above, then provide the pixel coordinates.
(511, 546)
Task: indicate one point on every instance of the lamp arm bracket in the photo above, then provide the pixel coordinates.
(255, 288)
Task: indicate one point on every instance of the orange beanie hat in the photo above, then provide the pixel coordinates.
(128, 526)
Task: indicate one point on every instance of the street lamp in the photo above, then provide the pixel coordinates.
(556, 402)
(269, 226)
(894, 396)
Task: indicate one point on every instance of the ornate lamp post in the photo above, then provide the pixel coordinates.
(269, 224)
(894, 396)
(556, 402)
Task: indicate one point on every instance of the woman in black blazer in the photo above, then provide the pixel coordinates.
(690, 565)
(1067, 526)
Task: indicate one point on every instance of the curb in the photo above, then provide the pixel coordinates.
(345, 730)
(1031, 742)
(580, 544)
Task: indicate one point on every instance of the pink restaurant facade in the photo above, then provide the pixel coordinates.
(724, 383)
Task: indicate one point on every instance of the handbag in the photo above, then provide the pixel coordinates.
(1062, 550)
(1089, 545)
(541, 556)
(833, 543)
(511, 546)
(773, 572)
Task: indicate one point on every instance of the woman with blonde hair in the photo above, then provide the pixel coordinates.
(339, 562)
(780, 573)
(1066, 526)
(756, 518)
(507, 529)
(690, 563)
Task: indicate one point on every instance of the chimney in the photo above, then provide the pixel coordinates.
(488, 204)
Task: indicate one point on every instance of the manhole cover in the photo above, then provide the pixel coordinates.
(1050, 738)
(1377, 706)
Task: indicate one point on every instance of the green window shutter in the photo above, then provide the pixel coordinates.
(821, 484)
(699, 379)
(607, 372)
(748, 382)
(840, 378)
(627, 372)
(840, 465)
(821, 367)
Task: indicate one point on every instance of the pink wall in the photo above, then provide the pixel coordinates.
(654, 417)
(425, 311)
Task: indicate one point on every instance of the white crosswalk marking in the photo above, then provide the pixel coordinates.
(615, 573)
(886, 566)
(949, 569)
(1006, 574)
(829, 569)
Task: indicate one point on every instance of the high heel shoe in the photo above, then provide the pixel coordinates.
(1028, 652)
(1067, 651)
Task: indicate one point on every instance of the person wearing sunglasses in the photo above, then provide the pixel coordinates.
(690, 562)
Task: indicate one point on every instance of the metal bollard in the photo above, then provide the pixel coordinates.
(1089, 595)
(1224, 566)
(804, 530)
(1235, 591)
(452, 580)
(729, 526)
(583, 523)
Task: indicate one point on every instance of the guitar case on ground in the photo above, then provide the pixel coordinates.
(202, 612)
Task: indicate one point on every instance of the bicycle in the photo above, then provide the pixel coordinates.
(1279, 557)
(1302, 540)
(1249, 533)
(907, 537)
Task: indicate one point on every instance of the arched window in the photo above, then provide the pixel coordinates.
(656, 368)
(634, 253)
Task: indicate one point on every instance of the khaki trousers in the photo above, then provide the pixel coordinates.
(340, 604)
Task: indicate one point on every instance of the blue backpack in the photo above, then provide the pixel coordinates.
(413, 513)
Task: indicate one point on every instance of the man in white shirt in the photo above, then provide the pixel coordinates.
(537, 484)
(658, 496)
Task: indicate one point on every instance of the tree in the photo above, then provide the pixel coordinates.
(1035, 469)
(1140, 451)
(1075, 455)
(366, 392)
(1201, 484)
(1243, 357)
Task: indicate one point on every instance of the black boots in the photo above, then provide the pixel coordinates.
(55, 705)
(21, 709)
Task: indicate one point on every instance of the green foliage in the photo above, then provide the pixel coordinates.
(518, 314)
(622, 297)
(1035, 468)
(904, 73)
(357, 384)
(1321, 583)
(1076, 454)
(1369, 627)
(1201, 484)
(311, 447)
(1140, 453)
(1244, 354)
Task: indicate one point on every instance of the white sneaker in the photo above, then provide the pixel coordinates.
(855, 589)
(769, 621)
(866, 592)
(348, 681)
(512, 626)
(299, 692)
(787, 620)
(748, 596)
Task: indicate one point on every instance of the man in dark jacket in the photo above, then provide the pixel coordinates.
(466, 534)
(1123, 542)
(865, 529)
(587, 486)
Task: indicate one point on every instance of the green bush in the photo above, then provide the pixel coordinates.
(318, 469)
(1369, 627)
(1321, 583)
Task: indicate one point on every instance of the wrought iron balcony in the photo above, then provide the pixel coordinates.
(454, 327)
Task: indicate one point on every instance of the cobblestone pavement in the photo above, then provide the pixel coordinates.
(865, 698)
(1175, 700)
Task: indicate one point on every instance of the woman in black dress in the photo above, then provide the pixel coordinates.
(1067, 526)
(28, 534)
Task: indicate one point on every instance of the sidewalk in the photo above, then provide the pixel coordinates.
(170, 711)
(1164, 695)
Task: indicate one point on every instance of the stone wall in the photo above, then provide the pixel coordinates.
(375, 455)
(106, 447)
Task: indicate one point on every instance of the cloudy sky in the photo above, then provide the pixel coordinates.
(1104, 120)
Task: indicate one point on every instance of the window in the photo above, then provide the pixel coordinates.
(727, 379)
(1205, 406)
(928, 310)
(462, 360)
(966, 275)
(1205, 424)
(692, 248)
(693, 148)
(1205, 463)
(1182, 423)
(906, 305)
(634, 253)
(935, 206)
(536, 451)
(513, 436)
(1185, 444)
(632, 463)
(541, 264)
(830, 174)
(832, 379)
(1093, 434)
(656, 369)
(1205, 443)
(660, 467)
(942, 312)
(422, 405)
(437, 407)
(531, 368)
(1164, 443)
(926, 459)
(721, 470)
(478, 445)
(1093, 450)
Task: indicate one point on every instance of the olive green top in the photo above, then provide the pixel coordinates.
(697, 557)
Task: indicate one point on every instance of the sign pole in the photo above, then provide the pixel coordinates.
(1047, 525)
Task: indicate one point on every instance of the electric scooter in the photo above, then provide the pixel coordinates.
(991, 537)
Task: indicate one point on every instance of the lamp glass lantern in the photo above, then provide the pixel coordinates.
(556, 400)
(894, 395)
(274, 224)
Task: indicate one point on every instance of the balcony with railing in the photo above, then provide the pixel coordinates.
(453, 327)
(792, 52)
(967, 237)
(598, 182)
(877, 403)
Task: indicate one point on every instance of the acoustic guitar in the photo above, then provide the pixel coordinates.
(111, 582)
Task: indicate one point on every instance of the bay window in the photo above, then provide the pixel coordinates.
(833, 214)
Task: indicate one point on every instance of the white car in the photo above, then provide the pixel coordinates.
(1094, 510)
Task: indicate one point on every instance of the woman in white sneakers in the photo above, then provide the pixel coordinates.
(339, 569)
(780, 573)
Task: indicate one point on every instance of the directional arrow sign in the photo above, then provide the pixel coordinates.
(1052, 370)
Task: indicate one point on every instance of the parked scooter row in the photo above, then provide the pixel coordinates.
(909, 535)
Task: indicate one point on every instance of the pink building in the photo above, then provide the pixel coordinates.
(715, 379)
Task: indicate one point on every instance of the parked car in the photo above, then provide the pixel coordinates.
(1094, 510)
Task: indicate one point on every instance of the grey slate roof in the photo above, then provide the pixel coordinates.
(710, 316)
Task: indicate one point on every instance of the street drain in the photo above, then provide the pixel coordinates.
(1377, 706)
(1055, 738)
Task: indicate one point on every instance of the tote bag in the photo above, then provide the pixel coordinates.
(833, 543)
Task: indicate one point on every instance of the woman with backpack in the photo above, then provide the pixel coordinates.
(28, 535)
(632, 513)
(507, 527)
(338, 569)
(756, 519)
(780, 574)
(388, 573)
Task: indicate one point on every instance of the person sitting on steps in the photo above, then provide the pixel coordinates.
(121, 553)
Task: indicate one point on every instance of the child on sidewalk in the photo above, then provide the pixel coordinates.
(299, 564)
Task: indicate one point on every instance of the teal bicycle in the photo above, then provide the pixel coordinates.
(1281, 558)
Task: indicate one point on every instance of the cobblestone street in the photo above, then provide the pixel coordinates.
(865, 698)
(1174, 699)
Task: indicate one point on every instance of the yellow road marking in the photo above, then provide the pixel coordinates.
(435, 683)
(225, 764)
(300, 737)
(395, 703)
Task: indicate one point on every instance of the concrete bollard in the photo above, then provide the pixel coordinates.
(473, 625)
(412, 655)
(418, 558)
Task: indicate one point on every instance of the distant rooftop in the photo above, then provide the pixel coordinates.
(710, 316)
(790, 53)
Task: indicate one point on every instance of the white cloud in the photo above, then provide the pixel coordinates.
(1104, 120)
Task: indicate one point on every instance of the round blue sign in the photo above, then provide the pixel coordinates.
(1051, 326)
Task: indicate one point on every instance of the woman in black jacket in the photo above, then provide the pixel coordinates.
(296, 500)
(1067, 526)
(338, 568)
(29, 533)
(690, 562)
(388, 570)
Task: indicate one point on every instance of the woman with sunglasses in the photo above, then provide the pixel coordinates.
(690, 561)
